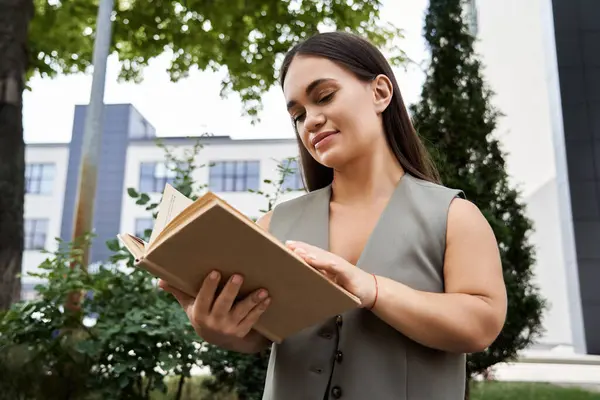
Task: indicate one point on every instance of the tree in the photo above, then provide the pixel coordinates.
(246, 38)
(456, 118)
(14, 19)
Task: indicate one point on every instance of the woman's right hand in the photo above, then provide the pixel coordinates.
(222, 321)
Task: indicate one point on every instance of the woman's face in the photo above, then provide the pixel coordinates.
(336, 115)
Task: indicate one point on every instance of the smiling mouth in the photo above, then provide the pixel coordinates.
(320, 136)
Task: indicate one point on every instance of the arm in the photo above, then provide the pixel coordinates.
(466, 318)
(470, 314)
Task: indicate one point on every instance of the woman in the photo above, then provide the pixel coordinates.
(423, 261)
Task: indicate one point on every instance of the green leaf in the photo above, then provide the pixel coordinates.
(113, 245)
(144, 198)
(132, 193)
(123, 381)
(120, 368)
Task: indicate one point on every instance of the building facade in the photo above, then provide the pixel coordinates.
(542, 60)
(130, 157)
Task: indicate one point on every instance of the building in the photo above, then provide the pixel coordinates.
(131, 158)
(542, 59)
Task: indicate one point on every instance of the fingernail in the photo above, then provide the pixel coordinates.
(214, 275)
(262, 294)
(267, 302)
(236, 279)
(290, 242)
(300, 251)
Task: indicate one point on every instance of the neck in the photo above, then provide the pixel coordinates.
(366, 180)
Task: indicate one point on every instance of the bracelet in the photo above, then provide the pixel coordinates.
(376, 292)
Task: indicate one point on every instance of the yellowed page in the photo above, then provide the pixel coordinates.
(171, 205)
(133, 244)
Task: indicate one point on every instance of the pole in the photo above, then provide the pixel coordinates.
(92, 132)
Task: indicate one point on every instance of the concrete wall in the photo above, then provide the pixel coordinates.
(45, 206)
(577, 36)
(512, 43)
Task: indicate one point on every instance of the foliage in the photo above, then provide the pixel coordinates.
(132, 335)
(457, 119)
(245, 38)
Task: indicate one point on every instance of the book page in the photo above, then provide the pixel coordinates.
(135, 245)
(171, 205)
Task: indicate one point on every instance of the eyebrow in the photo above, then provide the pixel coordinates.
(309, 89)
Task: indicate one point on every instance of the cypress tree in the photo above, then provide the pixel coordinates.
(456, 119)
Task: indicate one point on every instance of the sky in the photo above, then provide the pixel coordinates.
(193, 105)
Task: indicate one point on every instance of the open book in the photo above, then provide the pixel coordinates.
(191, 238)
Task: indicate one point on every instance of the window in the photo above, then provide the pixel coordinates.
(234, 176)
(154, 176)
(35, 234)
(293, 177)
(39, 178)
(142, 225)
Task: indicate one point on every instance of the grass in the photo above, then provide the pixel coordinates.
(480, 391)
(528, 391)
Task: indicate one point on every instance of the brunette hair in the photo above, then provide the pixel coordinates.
(366, 62)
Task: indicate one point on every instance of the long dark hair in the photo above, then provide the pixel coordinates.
(364, 60)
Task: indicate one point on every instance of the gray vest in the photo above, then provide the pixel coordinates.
(356, 356)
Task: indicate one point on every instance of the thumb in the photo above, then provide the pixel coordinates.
(184, 299)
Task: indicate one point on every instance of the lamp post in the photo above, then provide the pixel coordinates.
(92, 131)
(92, 134)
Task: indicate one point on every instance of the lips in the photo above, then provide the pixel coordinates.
(320, 136)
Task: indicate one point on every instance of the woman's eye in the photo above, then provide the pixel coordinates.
(298, 118)
(326, 98)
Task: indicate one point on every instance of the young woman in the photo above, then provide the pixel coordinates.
(423, 261)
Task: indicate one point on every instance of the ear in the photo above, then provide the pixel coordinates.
(382, 92)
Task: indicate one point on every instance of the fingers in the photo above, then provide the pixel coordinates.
(206, 294)
(248, 322)
(224, 302)
(222, 314)
(241, 309)
(323, 262)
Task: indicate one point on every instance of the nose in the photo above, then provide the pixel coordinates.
(314, 120)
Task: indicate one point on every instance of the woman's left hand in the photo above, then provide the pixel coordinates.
(358, 282)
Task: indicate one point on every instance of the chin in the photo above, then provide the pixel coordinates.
(333, 158)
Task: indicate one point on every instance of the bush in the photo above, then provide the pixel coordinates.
(122, 341)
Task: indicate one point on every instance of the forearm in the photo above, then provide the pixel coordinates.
(452, 322)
